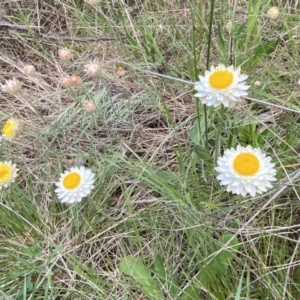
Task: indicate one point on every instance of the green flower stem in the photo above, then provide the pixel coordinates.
(218, 136)
(212, 5)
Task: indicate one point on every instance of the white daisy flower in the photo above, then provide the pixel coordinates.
(8, 173)
(221, 85)
(245, 171)
(75, 184)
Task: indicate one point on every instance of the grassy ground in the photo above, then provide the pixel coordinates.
(158, 225)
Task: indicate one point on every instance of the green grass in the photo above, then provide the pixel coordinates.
(157, 225)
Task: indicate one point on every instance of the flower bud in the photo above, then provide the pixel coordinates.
(29, 69)
(121, 71)
(89, 106)
(65, 54)
(228, 26)
(93, 69)
(70, 81)
(273, 12)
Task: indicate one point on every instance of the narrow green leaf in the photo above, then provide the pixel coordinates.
(131, 266)
(191, 293)
(167, 176)
(220, 262)
(160, 269)
(202, 153)
(239, 290)
(195, 133)
(221, 43)
(266, 48)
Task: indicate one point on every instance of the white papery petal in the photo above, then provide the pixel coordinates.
(242, 184)
(216, 96)
(67, 195)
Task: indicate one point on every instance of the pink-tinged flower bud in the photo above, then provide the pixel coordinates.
(29, 69)
(70, 81)
(89, 106)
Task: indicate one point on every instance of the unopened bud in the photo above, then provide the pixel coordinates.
(89, 106)
(93, 69)
(29, 69)
(121, 71)
(70, 81)
(273, 12)
(65, 54)
(228, 26)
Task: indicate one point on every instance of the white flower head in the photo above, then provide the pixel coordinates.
(221, 85)
(75, 184)
(12, 87)
(8, 173)
(245, 170)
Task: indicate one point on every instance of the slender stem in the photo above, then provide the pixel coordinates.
(210, 32)
(196, 72)
(212, 5)
(218, 136)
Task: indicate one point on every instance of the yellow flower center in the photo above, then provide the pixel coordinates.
(221, 79)
(246, 164)
(9, 128)
(5, 172)
(72, 181)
